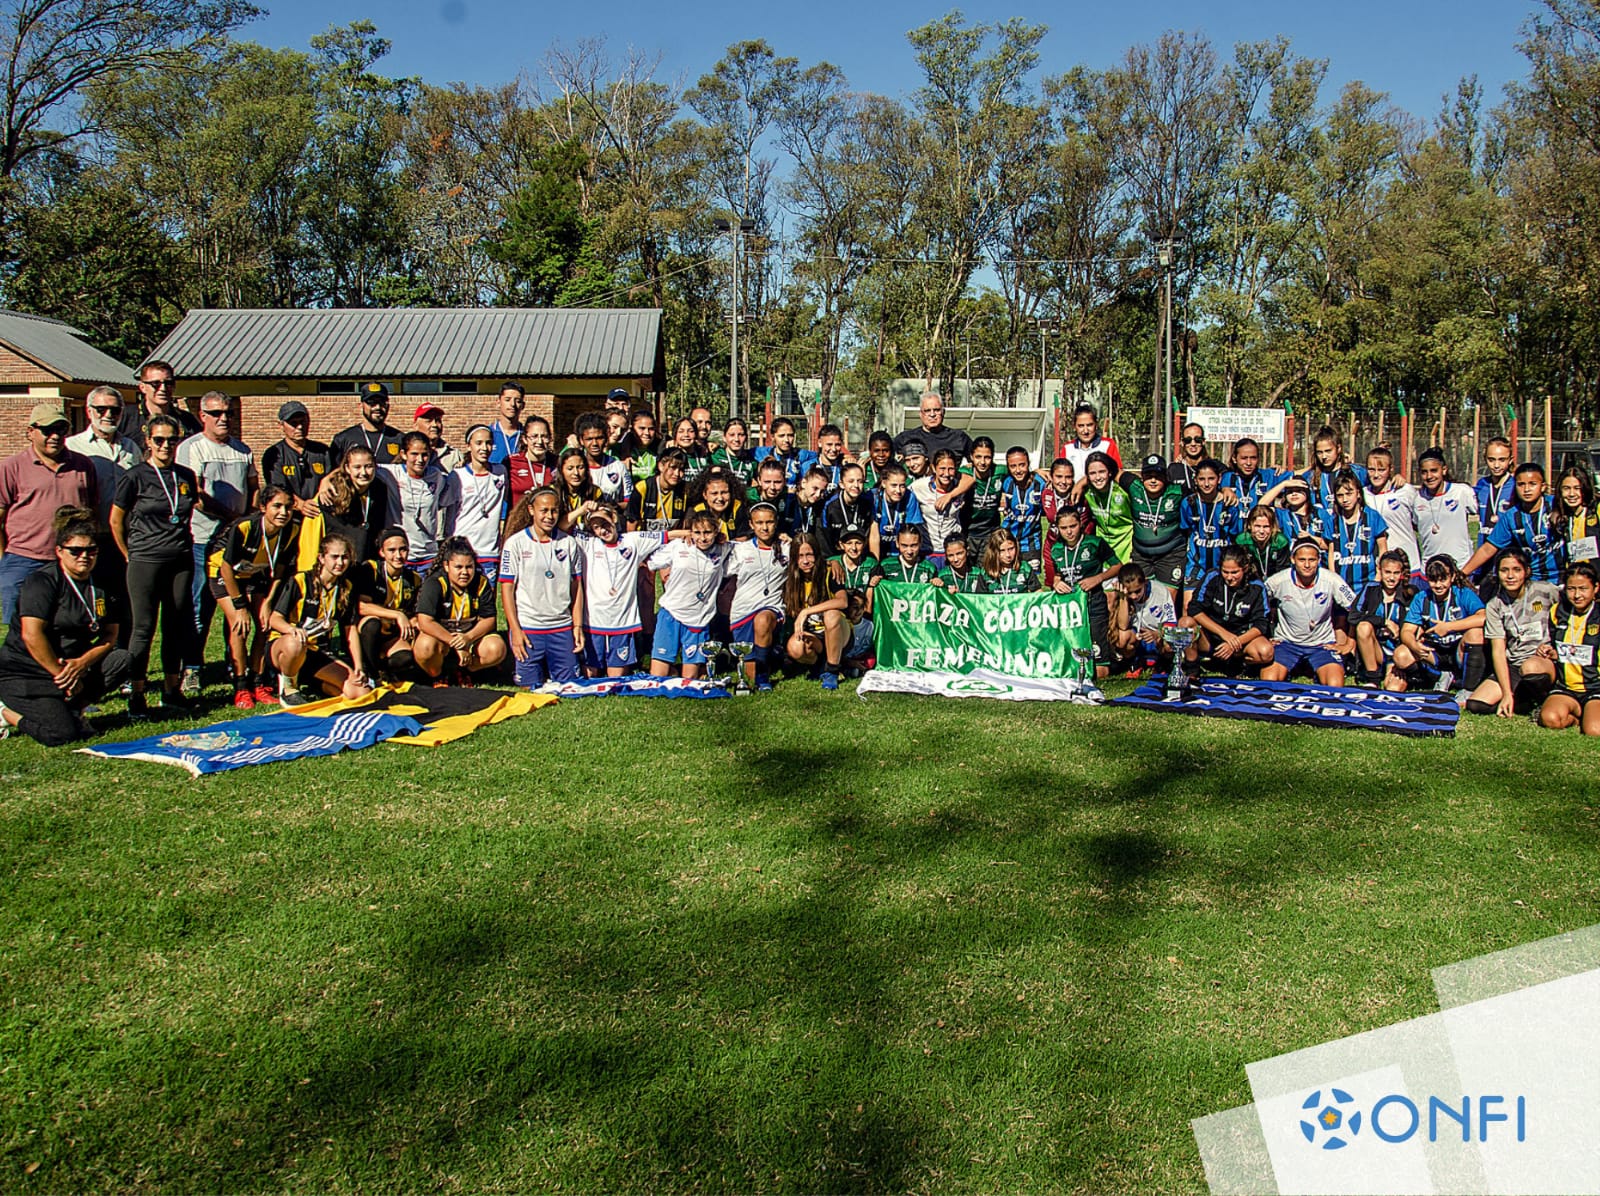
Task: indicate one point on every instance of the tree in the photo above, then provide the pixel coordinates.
(545, 241)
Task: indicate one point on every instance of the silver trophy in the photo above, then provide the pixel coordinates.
(713, 650)
(742, 650)
(1088, 693)
(1180, 686)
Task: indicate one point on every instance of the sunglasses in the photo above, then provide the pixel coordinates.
(1194, 440)
(54, 429)
(163, 440)
(106, 410)
(80, 550)
(158, 383)
(222, 414)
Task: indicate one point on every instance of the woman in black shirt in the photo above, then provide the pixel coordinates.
(60, 652)
(150, 524)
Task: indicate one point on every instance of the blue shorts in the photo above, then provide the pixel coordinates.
(1447, 657)
(673, 639)
(1292, 656)
(860, 641)
(745, 627)
(614, 650)
(550, 655)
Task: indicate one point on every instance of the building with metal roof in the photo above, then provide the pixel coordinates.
(566, 359)
(43, 359)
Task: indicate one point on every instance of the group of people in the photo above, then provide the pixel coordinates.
(393, 554)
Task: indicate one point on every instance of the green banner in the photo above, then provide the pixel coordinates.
(923, 628)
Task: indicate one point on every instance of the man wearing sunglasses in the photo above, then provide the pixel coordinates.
(158, 395)
(227, 483)
(103, 443)
(34, 484)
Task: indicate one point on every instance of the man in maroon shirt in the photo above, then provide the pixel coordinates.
(34, 484)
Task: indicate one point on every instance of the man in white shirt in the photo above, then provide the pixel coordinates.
(112, 453)
(1442, 510)
(1304, 596)
(226, 473)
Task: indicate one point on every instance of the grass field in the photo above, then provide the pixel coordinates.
(794, 943)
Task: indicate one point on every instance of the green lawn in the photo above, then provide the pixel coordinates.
(792, 943)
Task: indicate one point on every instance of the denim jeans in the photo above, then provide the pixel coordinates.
(14, 570)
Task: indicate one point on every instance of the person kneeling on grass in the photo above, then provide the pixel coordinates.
(693, 570)
(541, 590)
(1306, 595)
(1139, 609)
(455, 618)
(301, 625)
(1516, 624)
(1230, 611)
(1441, 639)
(1573, 647)
(1379, 614)
(386, 595)
(60, 652)
(247, 564)
(816, 606)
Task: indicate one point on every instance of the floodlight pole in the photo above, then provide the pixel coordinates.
(738, 231)
(1166, 255)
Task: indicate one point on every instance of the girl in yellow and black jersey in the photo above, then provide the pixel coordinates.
(386, 596)
(1575, 648)
(308, 608)
(455, 618)
(246, 565)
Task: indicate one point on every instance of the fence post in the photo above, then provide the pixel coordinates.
(1549, 440)
(1477, 427)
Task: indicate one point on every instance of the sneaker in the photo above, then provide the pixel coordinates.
(175, 700)
(830, 679)
(289, 694)
(127, 689)
(265, 695)
(191, 682)
(1134, 674)
(138, 708)
(243, 699)
(764, 684)
(464, 679)
(85, 727)
(1445, 683)
(5, 727)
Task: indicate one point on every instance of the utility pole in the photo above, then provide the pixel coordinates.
(743, 229)
(1166, 256)
(1047, 325)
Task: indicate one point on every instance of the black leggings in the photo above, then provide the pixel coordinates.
(49, 716)
(164, 588)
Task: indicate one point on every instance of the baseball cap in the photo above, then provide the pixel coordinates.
(850, 533)
(291, 409)
(371, 392)
(46, 415)
(618, 393)
(427, 409)
(1154, 463)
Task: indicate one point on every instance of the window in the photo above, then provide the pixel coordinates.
(336, 386)
(419, 386)
(458, 386)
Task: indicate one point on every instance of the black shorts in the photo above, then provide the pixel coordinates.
(253, 588)
(317, 660)
(1166, 568)
(1582, 698)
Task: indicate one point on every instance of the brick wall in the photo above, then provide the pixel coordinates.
(331, 414)
(18, 370)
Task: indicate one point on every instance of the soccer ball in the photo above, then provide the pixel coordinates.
(1333, 1119)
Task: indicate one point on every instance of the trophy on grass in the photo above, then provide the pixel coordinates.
(1180, 686)
(741, 650)
(713, 650)
(1088, 693)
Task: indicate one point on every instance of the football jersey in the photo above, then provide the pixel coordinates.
(1355, 545)
(1113, 517)
(1576, 639)
(894, 568)
(392, 593)
(1024, 505)
(611, 478)
(1494, 500)
(1088, 557)
(418, 502)
(1442, 522)
(1021, 578)
(741, 464)
(761, 573)
(1158, 608)
(1250, 489)
(1305, 613)
(1531, 531)
(939, 524)
(1321, 483)
(839, 515)
(1523, 624)
(690, 595)
(1398, 506)
(457, 609)
(611, 579)
(983, 502)
(315, 609)
(973, 581)
(654, 509)
(542, 572)
(475, 502)
(1428, 610)
(892, 516)
(1237, 608)
(858, 576)
(1211, 527)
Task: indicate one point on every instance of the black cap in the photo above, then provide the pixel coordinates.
(371, 392)
(1154, 463)
(618, 393)
(291, 409)
(852, 532)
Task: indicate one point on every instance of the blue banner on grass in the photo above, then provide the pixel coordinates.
(636, 686)
(261, 739)
(1425, 713)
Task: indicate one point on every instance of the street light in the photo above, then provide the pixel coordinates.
(1166, 255)
(1048, 325)
(743, 229)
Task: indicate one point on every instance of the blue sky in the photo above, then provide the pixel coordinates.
(1413, 49)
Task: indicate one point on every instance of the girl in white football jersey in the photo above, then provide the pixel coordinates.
(694, 570)
(611, 563)
(759, 566)
(541, 589)
(475, 498)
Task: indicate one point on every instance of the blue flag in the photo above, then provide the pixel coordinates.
(1423, 713)
(261, 739)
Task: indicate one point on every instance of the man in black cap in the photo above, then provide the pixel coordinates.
(618, 400)
(297, 463)
(373, 432)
